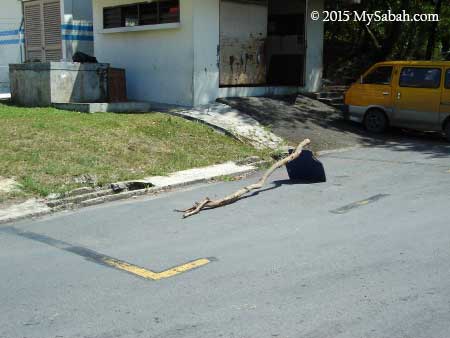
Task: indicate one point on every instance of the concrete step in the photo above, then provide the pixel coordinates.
(331, 92)
(81, 195)
(79, 198)
(335, 88)
(332, 101)
(330, 95)
(342, 107)
(118, 197)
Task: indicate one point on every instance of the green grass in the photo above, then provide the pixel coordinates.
(47, 149)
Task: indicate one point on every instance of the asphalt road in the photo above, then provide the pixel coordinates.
(366, 254)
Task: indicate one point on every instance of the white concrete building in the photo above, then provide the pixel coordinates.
(191, 52)
(11, 40)
(43, 30)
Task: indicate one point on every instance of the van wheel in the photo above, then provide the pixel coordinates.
(447, 131)
(376, 121)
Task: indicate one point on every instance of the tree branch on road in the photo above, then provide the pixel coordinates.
(210, 204)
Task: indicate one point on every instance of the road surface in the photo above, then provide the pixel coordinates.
(366, 254)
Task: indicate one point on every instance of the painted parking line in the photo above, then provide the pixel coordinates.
(350, 207)
(106, 260)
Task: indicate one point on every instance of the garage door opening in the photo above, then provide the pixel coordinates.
(262, 43)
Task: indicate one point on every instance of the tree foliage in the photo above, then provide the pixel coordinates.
(351, 47)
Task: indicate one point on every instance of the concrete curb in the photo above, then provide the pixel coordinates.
(78, 201)
(25, 216)
(100, 197)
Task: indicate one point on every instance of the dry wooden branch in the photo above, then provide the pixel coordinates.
(210, 204)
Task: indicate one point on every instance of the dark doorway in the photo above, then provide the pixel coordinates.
(286, 47)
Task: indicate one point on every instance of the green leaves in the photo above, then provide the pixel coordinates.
(351, 47)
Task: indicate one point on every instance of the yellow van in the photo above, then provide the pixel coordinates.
(410, 94)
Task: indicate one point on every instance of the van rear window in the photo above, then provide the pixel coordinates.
(420, 77)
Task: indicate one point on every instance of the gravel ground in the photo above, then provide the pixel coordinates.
(298, 117)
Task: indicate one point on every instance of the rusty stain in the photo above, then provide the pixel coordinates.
(246, 61)
(232, 59)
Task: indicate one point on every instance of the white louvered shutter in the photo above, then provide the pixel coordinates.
(52, 30)
(33, 31)
(43, 30)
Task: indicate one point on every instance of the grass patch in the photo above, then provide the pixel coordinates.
(49, 150)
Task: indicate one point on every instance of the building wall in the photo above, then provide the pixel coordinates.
(206, 53)
(10, 39)
(181, 65)
(159, 63)
(243, 38)
(77, 27)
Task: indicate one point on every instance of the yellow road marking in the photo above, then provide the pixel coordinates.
(363, 202)
(448, 171)
(105, 260)
(148, 274)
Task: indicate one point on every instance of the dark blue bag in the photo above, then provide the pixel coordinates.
(306, 168)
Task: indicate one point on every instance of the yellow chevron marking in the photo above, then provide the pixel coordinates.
(148, 274)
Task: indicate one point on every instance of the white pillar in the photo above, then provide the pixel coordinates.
(314, 47)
